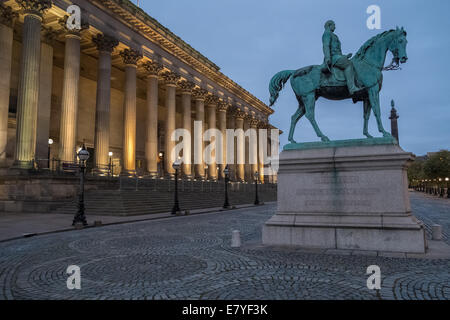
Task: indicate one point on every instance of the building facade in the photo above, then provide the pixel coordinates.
(121, 83)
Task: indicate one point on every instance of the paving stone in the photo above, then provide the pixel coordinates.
(191, 258)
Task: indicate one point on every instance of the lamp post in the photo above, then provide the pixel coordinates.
(110, 154)
(448, 189)
(83, 155)
(206, 172)
(161, 163)
(50, 142)
(256, 188)
(226, 204)
(176, 207)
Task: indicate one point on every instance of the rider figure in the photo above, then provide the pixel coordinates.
(335, 58)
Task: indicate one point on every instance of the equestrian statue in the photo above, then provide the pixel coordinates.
(343, 77)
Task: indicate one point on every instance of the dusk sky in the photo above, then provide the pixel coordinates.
(251, 40)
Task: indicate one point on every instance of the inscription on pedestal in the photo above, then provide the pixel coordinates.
(340, 192)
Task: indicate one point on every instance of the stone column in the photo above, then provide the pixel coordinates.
(269, 153)
(253, 147)
(69, 103)
(170, 79)
(45, 95)
(151, 143)
(7, 17)
(130, 59)
(240, 145)
(186, 94)
(199, 96)
(261, 126)
(232, 164)
(211, 103)
(105, 45)
(28, 92)
(247, 167)
(223, 106)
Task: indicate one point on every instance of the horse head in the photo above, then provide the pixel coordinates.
(398, 46)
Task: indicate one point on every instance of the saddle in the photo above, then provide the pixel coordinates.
(335, 78)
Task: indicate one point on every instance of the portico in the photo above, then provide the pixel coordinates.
(121, 87)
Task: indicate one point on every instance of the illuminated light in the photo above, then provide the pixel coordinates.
(110, 153)
(50, 141)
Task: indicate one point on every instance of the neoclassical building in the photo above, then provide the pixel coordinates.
(120, 84)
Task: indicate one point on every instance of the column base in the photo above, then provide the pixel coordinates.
(128, 173)
(24, 165)
(152, 175)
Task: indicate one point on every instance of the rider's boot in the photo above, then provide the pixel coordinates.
(350, 78)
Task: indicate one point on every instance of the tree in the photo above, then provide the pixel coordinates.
(438, 165)
(415, 171)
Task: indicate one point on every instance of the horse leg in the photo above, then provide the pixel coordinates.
(294, 119)
(367, 110)
(375, 103)
(310, 101)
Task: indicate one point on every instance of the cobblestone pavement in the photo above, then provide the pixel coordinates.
(191, 258)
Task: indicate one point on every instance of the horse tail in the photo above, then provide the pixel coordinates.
(277, 83)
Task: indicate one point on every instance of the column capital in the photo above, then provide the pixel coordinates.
(199, 94)
(186, 87)
(130, 56)
(170, 78)
(36, 7)
(263, 125)
(253, 122)
(212, 100)
(7, 16)
(224, 106)
(239, 114)
(105, 42)
(49, 35)
(153, 68)
(73, 32)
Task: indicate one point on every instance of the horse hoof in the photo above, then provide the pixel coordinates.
(292, 141)
(369, 136)
(386, 134)
(325, 139)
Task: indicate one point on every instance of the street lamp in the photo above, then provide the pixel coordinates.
(448, 189)
(50, 142)
(226, 204)
(110, 163)
(176, 207)
(256, 188)
(161, 163)
(206, 172)
(83, 155)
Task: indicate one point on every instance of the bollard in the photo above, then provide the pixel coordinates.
(235, 239)
(436, 232)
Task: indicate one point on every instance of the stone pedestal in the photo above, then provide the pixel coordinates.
(345, 197)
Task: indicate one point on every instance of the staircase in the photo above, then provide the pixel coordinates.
(129, 196)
